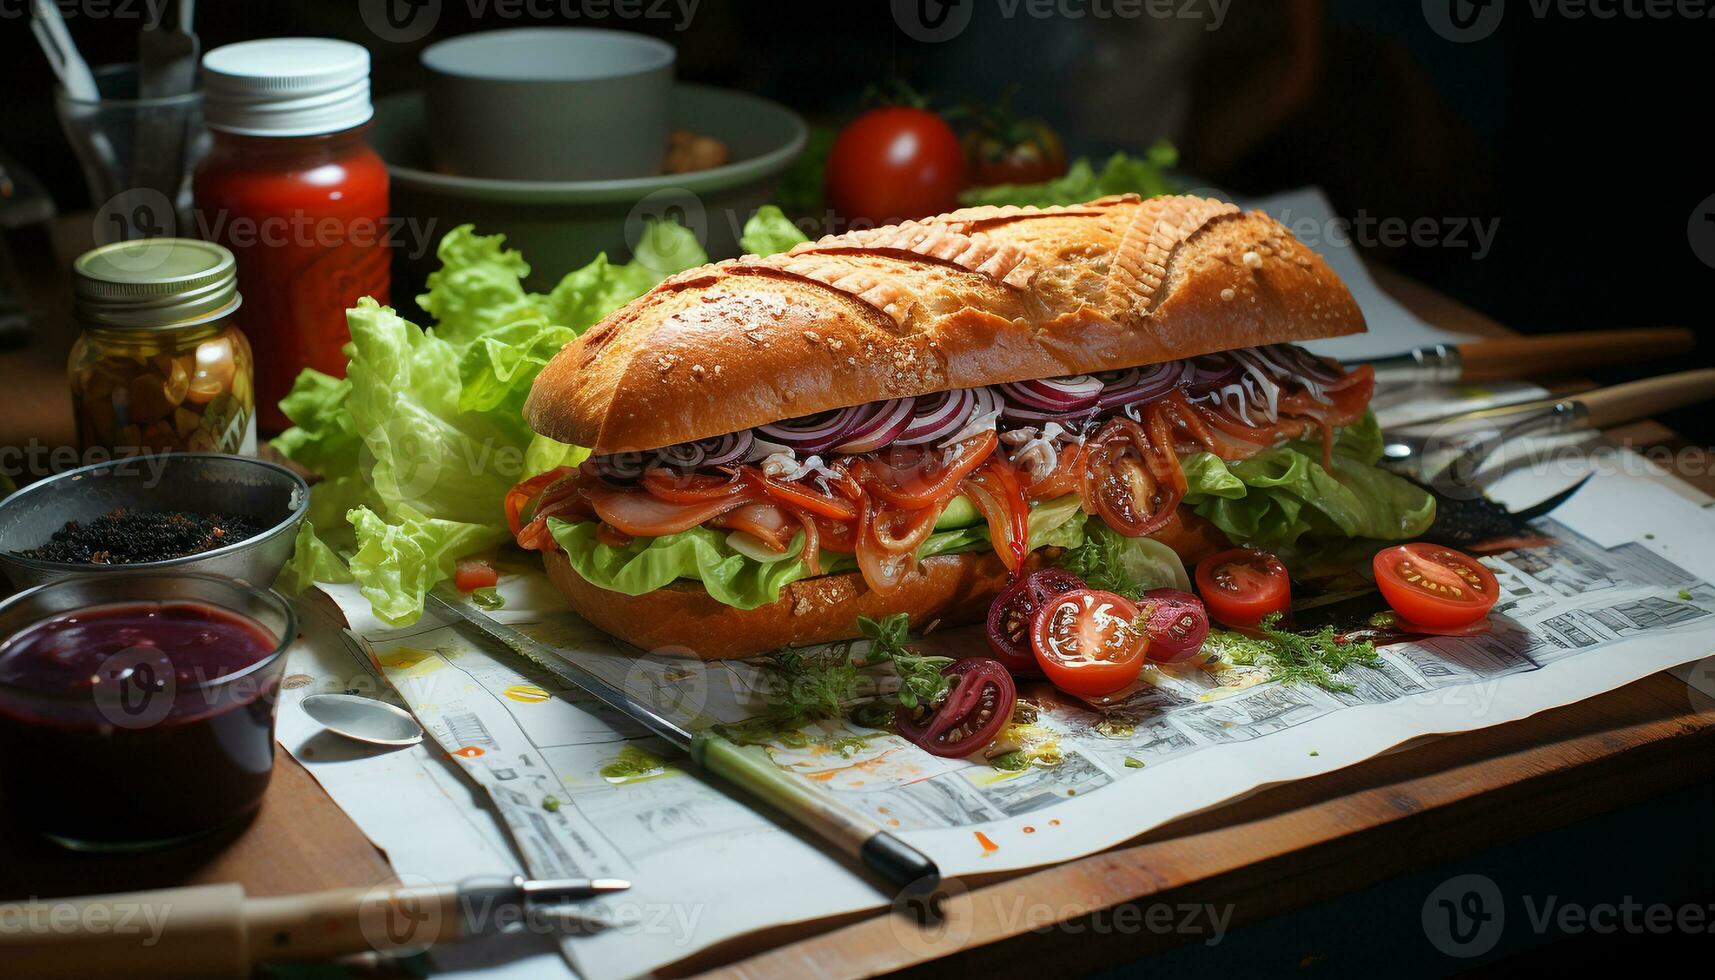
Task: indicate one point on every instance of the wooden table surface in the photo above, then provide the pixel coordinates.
(1276, 850)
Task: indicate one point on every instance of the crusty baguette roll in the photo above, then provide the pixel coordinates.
(975, 297)
(952, 590)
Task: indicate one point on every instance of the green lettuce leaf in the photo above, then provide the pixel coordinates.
(400, 559)
(1284, 498)
(1145, 176)
(418, 445)
(769, 231)
(703, 554)
(312, 561)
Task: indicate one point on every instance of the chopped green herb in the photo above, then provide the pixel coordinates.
(551, 804)
(1293, 658)
(1131, 763)
(920, 679)
(1314, 752)
(1100, 562)
(1014, 761)
(1685, 594)
(489, 598)
(805, 686)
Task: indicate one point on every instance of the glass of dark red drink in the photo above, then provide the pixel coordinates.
(137, 710)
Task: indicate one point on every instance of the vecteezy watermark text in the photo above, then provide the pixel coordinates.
(1473, 20)
(933, 21)
(406, 21)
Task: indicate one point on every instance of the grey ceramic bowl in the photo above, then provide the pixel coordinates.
(549, 103)
(561, 225)
(209, 483)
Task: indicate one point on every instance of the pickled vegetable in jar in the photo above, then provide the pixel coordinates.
(161, 364)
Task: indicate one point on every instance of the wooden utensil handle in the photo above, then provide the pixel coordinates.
(1524, 357)
(1640, 399)
(322, 925)
(175, 932)
(855, 835)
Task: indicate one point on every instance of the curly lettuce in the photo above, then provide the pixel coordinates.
(1284, 499)
(418, 444)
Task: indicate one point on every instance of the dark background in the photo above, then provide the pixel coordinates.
(1583, 136)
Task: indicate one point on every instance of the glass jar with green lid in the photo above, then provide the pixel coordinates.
(161, 364)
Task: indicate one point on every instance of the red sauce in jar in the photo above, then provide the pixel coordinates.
(136, 722)
(306, 218)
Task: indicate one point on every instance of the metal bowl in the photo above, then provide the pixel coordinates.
(205, 483)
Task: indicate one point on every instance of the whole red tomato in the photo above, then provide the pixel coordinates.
(1009, 152)
(895, 163)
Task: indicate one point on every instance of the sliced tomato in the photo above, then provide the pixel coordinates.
(1013, 610)
(1177, 623)
(914, 477)
(1435, 586)
(977, 706)
(824, 505)
(1132, 478)
(1240, 586)
(1086, 643)
(470, 574)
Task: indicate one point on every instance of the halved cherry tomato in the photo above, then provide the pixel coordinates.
(977, 705)
(1435, 586)
(1240, 586)
(1013, 610)
(1085, 642)
(1177, 622)
(471, 574)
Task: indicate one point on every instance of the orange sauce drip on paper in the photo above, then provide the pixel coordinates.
(989, 846)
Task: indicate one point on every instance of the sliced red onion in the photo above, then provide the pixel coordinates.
(1299, 365)
(878, 424)
(811, 433)
(935, 416)
(727, 449)
(1258, 384)
(1298, 362)
(1135, 385)
(620, 466)
(985, 412)
(1054, 394)
(1208, 371)
(684, 456)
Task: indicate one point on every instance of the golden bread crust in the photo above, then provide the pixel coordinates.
(974, 297)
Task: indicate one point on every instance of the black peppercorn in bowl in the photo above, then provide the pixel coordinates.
(183, 512)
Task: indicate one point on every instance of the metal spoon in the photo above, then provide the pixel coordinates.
(364, 719)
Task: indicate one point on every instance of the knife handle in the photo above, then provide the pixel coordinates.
(854, 834)
(1523, 357)
(1640, 399)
